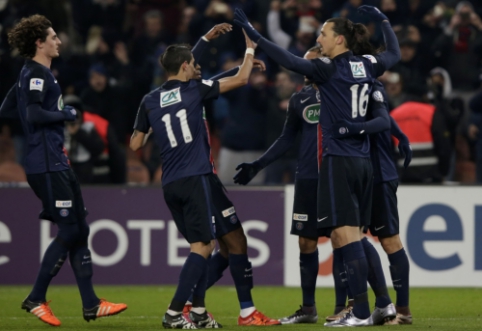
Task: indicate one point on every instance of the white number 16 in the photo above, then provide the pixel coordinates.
(359, 106)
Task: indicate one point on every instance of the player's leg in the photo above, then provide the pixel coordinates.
(56, 254)
(399, 270)
(231, 236)
(304, 226)
(342, 290)
(344, 184)
(189, 200)
(385, 225)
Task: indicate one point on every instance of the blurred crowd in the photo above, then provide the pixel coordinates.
(109, 60)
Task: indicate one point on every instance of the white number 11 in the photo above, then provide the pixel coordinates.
(186, 132)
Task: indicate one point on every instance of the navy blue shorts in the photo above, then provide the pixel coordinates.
(60, 194)
(303, 222)
(344, 192)
(385, 222)
(189, 200)
(225, 216)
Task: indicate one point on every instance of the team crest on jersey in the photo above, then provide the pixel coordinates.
(170, 97)
(60, 103)
(311, 114)
(358, 70)
(36, 84)
(377, 96)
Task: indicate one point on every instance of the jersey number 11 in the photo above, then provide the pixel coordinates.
(186, 132)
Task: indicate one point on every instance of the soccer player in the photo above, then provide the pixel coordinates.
(175, 113)
(384, 219)
(37, 101)
(229, 232)
(345, 179)
(302, 116)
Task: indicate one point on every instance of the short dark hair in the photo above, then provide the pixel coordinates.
(356, 35)
(174, 56)
(24, 35)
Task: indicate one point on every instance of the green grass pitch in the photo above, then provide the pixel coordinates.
(432, 309)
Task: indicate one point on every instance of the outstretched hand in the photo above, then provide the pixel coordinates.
(247, 171)
(218, 30)
(242, 21)
(373, 12)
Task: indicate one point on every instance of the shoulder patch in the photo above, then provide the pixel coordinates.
(170, 97)
(378, 96)
(36, 84)
(370, 57)
(325, 59)
(358, 69)
(207, 82)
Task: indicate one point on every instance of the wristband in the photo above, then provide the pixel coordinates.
(250, 51)
(205, 39)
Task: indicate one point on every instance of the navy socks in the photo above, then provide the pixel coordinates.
(242, 273)
(400, 269)
(357, 272)
(192, 271)
(376, 278)
(309, 271)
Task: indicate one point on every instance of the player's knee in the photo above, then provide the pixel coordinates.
(84, 231)
(307, 245)
(236, 242)
(391, 244)
(58, 265)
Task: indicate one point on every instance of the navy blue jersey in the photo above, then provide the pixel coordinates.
(345, 84)
(303, 114)
(381, 148)
(45, 143)
(175, 113)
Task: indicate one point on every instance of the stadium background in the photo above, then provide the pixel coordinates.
(109, 60)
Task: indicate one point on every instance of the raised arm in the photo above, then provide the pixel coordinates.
(212, 34)
(280, 55)
(241, 78)
(275, 32)
(391, 55)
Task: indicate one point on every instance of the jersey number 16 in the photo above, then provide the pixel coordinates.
(359, 105)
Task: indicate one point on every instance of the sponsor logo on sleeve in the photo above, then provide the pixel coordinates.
(36, 84)
(228, 212)
(63, 204)
(371, 58)
(358, 70)
(207, 82)
(170, 97)
(300, 217)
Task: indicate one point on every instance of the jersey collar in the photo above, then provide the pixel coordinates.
(347, 54)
